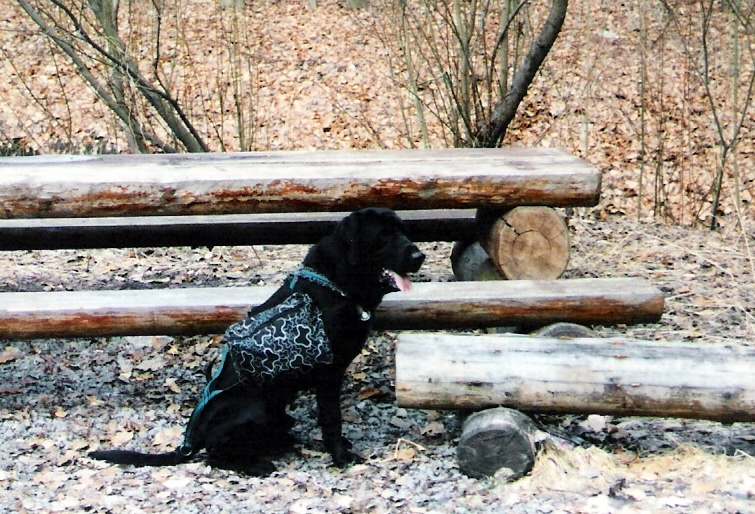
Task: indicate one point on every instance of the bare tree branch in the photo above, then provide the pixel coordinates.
(491, 134)
(123, 69)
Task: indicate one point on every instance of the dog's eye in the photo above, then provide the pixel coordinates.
(385, 233)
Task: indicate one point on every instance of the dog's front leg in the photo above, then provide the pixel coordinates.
(329, 417)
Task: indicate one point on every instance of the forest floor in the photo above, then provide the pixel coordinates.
(320, 86)
(60, 399)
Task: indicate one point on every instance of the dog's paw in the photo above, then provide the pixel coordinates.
(346, 458)
(261, 468)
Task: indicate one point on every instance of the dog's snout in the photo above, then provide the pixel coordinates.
(416, 259)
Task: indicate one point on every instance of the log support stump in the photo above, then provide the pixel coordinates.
(524, 243)
(471, 263)
(498, 441)
(530, 243)
(564, 330)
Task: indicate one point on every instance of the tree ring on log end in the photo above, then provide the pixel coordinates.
(529, 243)
(497, 439)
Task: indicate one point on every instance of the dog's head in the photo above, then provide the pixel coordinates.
(376, 251)
(377, 246)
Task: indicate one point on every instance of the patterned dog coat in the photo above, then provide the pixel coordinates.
(287, 338)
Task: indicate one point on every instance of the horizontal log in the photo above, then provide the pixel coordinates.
(215, 230)
(434, 305)
(54, 186)
(615, 376)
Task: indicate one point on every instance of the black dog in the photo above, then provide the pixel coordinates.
(304, 336)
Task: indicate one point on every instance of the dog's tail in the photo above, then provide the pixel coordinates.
(141, 459)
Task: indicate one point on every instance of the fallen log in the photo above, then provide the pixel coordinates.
(433, 305)
(245, 183)
(615, 376)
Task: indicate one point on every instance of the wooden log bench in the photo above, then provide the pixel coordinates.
(53, 202)
(50, 202)
(499, 200)
(434, 305)
(613, 376)
(283, 182)
(495, 374)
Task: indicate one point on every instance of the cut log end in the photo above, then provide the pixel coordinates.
(564, 330)
(497, 441)
(529, 243)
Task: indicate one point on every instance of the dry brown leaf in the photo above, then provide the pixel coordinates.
(122, 437)
(126, 368)
(170, 437)
(171, 384)
(67, 457)
(369, 392)
(405, 454)
(153, 364)
(433, 429)
(9, 354)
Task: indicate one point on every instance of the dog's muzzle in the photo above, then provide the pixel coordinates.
(415, 259)
(411, 261)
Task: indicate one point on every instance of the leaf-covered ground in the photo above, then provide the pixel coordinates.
(320, 82)
(60, 399)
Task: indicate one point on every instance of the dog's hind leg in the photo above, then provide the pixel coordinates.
(247, 448)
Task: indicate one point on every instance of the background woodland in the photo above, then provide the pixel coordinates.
(655, 93)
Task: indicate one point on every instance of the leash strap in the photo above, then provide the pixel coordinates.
(186, 449)
(322, 280)
(317, 278)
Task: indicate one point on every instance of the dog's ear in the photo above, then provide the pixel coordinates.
(347, 231)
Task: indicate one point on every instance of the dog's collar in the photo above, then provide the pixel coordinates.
(322, 280)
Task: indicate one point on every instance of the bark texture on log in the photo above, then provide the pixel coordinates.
(243, 183)
(603, 376)
(434, 305)
(496, 441)
(529, 243)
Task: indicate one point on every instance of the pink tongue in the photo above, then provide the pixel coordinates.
(403, 283)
